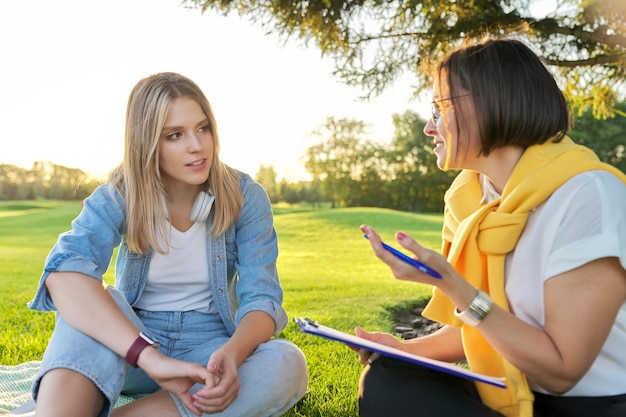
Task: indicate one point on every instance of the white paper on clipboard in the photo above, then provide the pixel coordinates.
(314, 328)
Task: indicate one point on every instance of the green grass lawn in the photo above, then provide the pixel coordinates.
(327, 269)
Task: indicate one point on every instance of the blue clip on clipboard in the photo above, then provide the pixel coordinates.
(314, 328)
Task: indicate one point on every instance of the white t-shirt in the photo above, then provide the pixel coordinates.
(179, 279)
(584, 220)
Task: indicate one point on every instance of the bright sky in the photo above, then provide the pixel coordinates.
(68, 66)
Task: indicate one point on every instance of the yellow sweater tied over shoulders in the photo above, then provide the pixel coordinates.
(476, 239)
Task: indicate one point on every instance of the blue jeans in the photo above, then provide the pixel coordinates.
(271, 380)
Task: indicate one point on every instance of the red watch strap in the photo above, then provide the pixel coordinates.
(135, 349)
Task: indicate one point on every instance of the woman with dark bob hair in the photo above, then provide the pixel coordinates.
(533, 285)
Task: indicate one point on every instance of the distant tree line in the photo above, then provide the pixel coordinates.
(350, 171)
(346, 168)
(401, 175)
(45, 180)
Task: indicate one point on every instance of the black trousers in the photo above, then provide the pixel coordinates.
(549, 406)
(390, 387)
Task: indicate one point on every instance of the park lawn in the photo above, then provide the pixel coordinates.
(327, 270)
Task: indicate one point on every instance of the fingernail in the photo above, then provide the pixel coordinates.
(400, 235)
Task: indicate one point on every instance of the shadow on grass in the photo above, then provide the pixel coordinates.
(408, 322)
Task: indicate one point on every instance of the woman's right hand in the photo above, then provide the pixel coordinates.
(176, 376)
(367, 357)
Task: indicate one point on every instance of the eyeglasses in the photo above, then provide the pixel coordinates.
(436, 112)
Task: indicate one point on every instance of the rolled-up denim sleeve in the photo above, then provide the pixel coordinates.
(88, 247)
(258, 288)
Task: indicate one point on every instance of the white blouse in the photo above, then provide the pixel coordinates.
(584, 220)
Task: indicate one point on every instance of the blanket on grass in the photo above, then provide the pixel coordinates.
(15, 384)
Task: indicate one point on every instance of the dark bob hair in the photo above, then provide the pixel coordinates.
(516, 99)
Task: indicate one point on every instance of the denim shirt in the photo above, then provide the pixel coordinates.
(242, 261)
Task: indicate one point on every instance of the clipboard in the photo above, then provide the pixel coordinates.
(314, 328)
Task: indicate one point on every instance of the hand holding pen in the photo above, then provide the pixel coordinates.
(367, 231)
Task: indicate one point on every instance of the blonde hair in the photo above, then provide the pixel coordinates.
(138, 177)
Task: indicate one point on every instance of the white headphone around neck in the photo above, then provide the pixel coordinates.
(200, 209)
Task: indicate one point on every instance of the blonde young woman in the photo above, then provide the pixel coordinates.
(533, 288)
(197, 300)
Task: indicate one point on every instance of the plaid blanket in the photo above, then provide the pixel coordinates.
(16, 382)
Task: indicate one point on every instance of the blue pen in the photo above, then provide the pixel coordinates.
(411, 261)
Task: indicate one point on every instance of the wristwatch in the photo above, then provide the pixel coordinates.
(477, 311)
(142, 342)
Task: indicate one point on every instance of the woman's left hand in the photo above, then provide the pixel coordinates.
(367, 357)
(213, 398)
